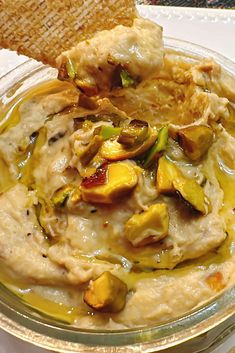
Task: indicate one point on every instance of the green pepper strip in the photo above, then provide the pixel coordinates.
(159, 146)
(109, 131)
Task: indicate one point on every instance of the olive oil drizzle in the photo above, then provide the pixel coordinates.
(10, 116)
(59, 311)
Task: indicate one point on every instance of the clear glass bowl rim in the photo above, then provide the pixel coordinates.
(22, 322)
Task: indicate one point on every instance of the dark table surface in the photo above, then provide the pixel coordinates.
(192, 3)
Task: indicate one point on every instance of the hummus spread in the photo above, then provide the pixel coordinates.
(123, 206)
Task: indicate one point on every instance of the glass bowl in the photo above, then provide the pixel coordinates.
(197, 331)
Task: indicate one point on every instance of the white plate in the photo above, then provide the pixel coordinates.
(213, 29)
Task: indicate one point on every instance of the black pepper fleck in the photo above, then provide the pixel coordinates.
(56, 137)
(27, 212)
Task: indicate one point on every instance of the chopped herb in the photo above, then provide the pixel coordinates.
(126, 79)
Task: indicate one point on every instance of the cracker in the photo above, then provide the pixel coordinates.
(42, 29)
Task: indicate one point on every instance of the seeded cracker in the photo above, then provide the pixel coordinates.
(42, 29)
